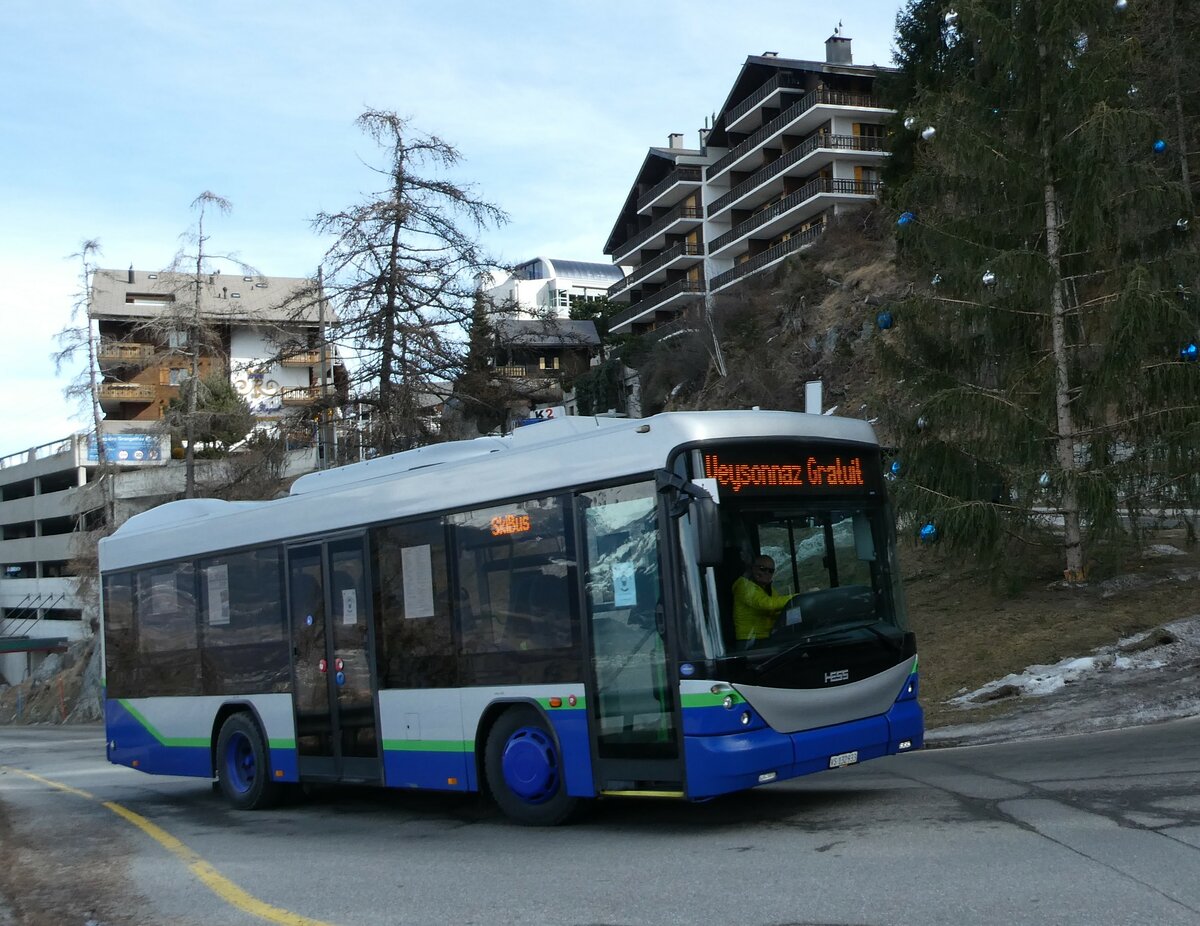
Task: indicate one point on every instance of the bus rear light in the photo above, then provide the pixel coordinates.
(572, 700)
(278, 773)
(728, 702)
(556, 702)
(905, 744)
(451, 781)
(767, 776)
(745, 718)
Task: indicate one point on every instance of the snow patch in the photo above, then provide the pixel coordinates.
(1181, 641)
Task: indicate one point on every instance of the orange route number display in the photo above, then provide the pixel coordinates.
(505, 524)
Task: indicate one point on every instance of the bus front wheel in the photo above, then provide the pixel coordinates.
(243, 765)
(524, 770)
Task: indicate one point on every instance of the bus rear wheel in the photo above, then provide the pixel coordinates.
(524, 770)
(243, 765)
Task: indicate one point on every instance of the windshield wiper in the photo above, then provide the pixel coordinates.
(869, 626)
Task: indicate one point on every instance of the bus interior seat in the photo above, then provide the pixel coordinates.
(727, 573)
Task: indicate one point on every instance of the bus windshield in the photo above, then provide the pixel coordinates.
(803, 563)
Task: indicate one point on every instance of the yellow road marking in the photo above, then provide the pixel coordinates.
(50, 784)
(207, 875)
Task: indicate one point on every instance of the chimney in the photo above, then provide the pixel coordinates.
(704, 133)
(131, 274)
(675, 140)
(837, 48)
(770, 54)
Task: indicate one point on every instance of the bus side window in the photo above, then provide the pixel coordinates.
(414, 646)
(165, 614)
(120, 641)
(243, 635)
(515, 562)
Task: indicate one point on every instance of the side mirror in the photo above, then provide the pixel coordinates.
(701, 508)
(706, 519)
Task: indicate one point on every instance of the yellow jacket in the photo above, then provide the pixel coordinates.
(755, 611)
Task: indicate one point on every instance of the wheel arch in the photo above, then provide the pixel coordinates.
(227, 710)
(487, 720)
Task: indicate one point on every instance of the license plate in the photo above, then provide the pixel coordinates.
(845, 758)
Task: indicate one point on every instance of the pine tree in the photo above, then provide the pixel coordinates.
(1169, 33)
(402, 270)
(1043, 394)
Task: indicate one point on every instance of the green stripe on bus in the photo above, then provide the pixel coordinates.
(708, 699)
(580, 704)
(164, 740)
(428, 746)
(282, 744)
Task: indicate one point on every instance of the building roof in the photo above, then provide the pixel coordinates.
(546, 268)
(758, 69)
(547, 332)
(129, 294)
(657, 163)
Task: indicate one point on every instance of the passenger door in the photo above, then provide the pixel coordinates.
(332, 665)
(633, 699)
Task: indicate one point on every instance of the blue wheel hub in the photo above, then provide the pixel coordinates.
(530, 765)
(240, 768)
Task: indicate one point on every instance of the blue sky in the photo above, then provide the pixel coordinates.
(115, 115)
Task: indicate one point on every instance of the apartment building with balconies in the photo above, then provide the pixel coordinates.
(659, 236)
(265, 333)
(795, 143)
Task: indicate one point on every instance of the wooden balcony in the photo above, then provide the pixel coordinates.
(302, 358)
(127, 392)
(301, 395)
(112, 352)
(529, 371)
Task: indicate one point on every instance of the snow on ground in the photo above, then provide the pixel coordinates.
(1145, 678)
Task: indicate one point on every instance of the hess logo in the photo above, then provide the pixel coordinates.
(838, 675)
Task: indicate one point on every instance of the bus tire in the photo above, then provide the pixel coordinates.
(524, 770)
(244, 765)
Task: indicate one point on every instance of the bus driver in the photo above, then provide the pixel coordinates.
(756, 607)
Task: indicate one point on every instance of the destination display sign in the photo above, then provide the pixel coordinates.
(751, 470)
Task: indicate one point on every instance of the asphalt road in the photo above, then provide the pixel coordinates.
(1097, 829)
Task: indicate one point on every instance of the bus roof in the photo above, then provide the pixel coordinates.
(538, 459)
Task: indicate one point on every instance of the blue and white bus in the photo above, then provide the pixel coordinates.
(545, 616)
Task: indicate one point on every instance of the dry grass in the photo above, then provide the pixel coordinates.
(968, 634)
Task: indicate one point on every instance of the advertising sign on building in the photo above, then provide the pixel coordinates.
(127, 448)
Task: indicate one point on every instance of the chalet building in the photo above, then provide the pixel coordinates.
(263, 332)
(795, 143)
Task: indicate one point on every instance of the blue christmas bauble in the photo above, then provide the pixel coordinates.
(895, 467)
(884, 320)
(906, 218)
(1190, 352)
(1160, 146)
(929, 533)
